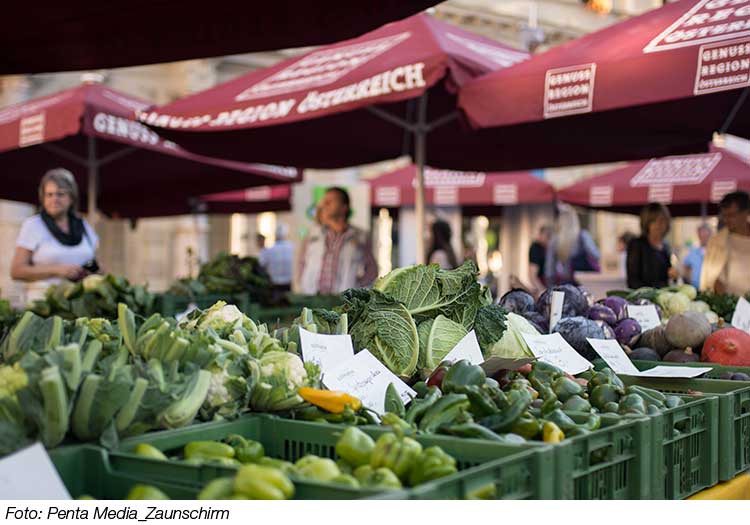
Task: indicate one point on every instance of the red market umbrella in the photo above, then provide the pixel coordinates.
(122, 167)
(354, 102)
(687, 184)
(658, 84)
(459, 188)
(250, 200)
(78, 35)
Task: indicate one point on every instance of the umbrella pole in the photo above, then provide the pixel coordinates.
(93, 181)
(704, 211)
(420, 139)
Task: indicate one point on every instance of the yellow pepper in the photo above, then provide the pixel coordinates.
(551, 433)
(330, 400)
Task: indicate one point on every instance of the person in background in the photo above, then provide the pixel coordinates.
(648, 259)
(260, 242)
(727, 258)
(335, 256)
(441, 251)
(693, 261)
(56, 243)
(622, 248)
(538, 258)
(277, 260)
(570, 249)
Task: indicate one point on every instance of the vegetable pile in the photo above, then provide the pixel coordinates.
(93, 296)
(227, 274)
(95, 379)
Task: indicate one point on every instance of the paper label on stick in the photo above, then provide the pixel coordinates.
(327, 351)
(30, 474)
(613, 354)
(741, 316)
(618, 361)
(556, 309)
(467, 348)
(555, 350)
(646, 315)
(366, 378)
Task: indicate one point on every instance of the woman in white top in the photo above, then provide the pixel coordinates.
(56, 243)
(441, 252)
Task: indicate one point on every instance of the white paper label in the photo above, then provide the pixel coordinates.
(741, 316)
(467, 348)
(613, 354)
(327, 351)
(646, 315)
(556, 309)
(618, 361)
(555, 350)
(366, 378)
(674, 371)
(30, 474)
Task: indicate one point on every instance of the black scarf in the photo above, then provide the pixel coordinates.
(75, 225)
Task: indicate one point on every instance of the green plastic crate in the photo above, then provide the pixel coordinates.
(686, 439)
(171, 305)
(733, 420)
(86, 470)
(521, 472)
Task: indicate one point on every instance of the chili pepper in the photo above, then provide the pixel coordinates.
(259, 482)
(208, 450)
(462, 374)
(549, 405)
(330, 400)
(564, 388)
(651, 397)
(317, 468)
(471, 430)
(398, 425)
(419, 406)
(396, 454)
(444, 411)
(609, 419)
(245, 450)
(432, 463)
(393, 402)
(485, 492)
(544, 389)
(149, 451)
(220, 488)
(603, 394)
(481, 402)
(605, 377)
(562, 420)
(551, 433)
(355, 447)
(504, 421)
(527, 426)
(632, 404)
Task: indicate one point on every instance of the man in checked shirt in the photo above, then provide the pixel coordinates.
(336, 256)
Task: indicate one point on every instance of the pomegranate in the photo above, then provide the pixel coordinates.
(727, 346)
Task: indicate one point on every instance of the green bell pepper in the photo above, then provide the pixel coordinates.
(462, 373)
(317, 468)
(565, 388)
(603, 394)
(632, 404)
(577, 404)
(259, 482)
(284, 466)
(432, 463)
(355, 447)
(420, 387)
(245, 450)
(397, 454)
(208, 449)
(347, 480)
(383, 478)
(527, 426)
(220, 488)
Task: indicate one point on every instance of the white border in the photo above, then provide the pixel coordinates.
(590, 105)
